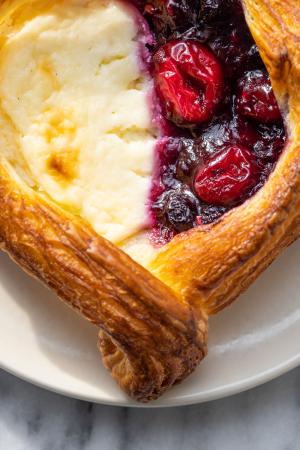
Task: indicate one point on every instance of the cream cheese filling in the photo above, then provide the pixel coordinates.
(73, 90)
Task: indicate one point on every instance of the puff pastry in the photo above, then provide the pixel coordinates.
(153, 321)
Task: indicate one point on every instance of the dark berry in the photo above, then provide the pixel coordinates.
(211, 10)
(189, 156)
(210, 213)
(165, 166)
(189, 80)
(227, 177)
(177, 208)
(236, 50)
(224, 131)
(255, 98)
(198, 33)
(271, 142)
(169, 16)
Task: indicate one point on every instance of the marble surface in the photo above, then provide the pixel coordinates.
(265, 418)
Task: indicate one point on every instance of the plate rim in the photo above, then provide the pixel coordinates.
(227, 390)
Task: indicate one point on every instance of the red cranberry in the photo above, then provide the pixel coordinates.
(189, 80)
(227, 177)
(255, 98)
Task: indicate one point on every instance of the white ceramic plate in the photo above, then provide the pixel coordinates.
(254, 340)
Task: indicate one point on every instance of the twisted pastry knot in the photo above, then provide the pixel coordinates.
(145, 371)
(154, 325)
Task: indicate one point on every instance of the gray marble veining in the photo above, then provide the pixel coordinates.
(265, 418)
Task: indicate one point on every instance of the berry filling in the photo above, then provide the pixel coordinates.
(221, 128)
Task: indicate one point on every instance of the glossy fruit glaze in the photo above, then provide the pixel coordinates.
(221, 127)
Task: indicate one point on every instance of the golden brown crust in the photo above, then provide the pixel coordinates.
(153, 327)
